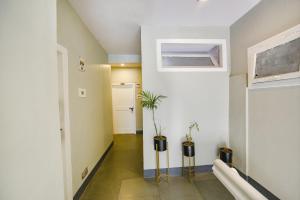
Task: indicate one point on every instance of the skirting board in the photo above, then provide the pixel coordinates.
(91, 175)
(269, 195)
(176, 171)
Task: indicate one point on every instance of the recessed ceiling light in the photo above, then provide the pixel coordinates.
(122, 64)
(202, 0)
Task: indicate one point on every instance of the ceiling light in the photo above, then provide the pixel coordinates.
(122, 64)
(202, 0)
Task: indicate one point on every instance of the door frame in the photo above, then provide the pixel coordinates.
(67, 131)
(133, 86)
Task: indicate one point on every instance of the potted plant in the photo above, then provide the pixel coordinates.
(151, 101)
(189, 145)
(226, 155)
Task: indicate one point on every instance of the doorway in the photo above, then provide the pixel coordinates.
(64, 119)
(124, 108)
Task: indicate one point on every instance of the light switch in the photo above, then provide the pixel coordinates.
(82, 65)
(81, 92)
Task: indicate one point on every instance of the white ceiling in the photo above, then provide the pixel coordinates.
(116, 23)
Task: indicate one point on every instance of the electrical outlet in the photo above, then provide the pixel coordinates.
(84, 173)
(81, 92)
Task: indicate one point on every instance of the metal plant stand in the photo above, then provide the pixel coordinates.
(189, 152)
(158, 175)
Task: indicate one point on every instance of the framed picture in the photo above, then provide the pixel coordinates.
(277, 58)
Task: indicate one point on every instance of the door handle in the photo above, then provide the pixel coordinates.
(131, 108)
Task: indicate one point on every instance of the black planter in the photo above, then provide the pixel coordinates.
(160, 142)
(226, 155)
(188, 148)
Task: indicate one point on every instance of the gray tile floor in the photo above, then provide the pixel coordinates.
(121, 178)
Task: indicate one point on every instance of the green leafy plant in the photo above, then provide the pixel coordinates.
(194, 125)
(151, 101)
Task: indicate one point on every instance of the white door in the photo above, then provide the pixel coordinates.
(63, 100)
(124, 108)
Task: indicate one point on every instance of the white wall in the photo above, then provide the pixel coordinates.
(31, 167)
(91, 117)
(274, 113)
(130, 75)
(124, 58)
(194, 96)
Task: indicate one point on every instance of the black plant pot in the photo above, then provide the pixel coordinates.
(226, 155)
(188, 148)
(160, 142)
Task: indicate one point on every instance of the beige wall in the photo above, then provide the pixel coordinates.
(130, 75)
(237, 116)
(266, 19)
(31, 167)
(274, 114)
(91, 117)
(192, 96)
(274, 140)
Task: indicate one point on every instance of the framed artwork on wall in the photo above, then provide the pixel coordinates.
(275, 59)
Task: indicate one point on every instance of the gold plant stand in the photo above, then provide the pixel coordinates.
(191, 168)
(158, 175)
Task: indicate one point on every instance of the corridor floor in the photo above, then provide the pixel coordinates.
(121, 178)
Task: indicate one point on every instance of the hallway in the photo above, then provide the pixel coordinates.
(124, 161)
(120, 177)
